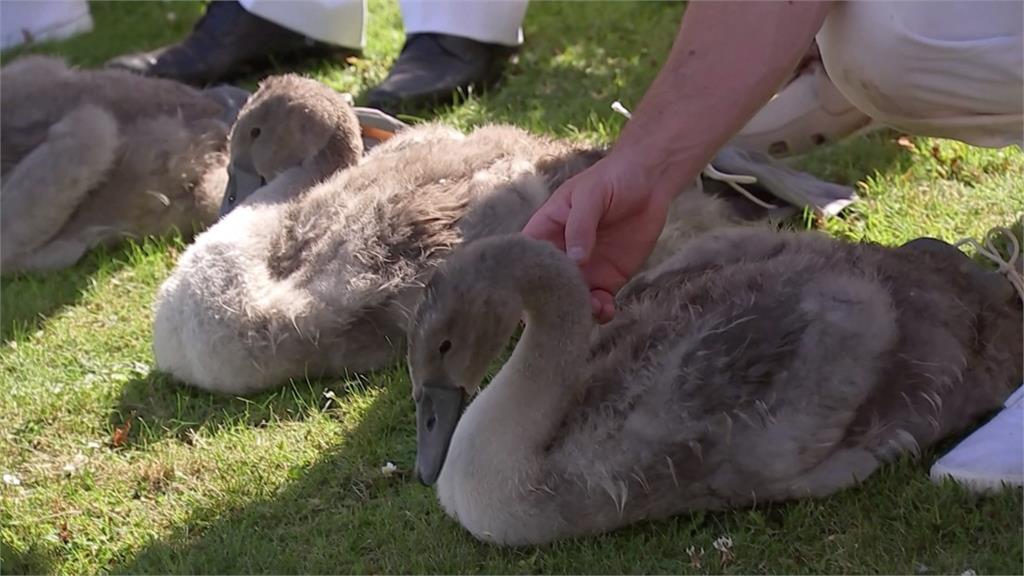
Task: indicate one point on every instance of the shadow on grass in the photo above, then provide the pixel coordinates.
(856, 159)
(160, 407)
(27, 300)
(15, 560)
(341, 514)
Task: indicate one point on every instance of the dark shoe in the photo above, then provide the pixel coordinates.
(433, 67)
(223, 42)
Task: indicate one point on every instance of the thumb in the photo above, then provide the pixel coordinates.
(581, 225)
(548, 222)
(542, 227)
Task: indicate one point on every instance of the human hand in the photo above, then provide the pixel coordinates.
(608, 219)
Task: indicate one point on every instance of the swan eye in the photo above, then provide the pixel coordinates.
(231, 197)
(445, 346)
(255, 132)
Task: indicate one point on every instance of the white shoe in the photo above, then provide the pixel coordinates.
(993, 456)
(807, 113)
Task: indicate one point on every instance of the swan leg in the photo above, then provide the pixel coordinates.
(47, 186)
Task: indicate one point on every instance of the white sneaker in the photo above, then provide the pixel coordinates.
(993, 456)
(808, 112)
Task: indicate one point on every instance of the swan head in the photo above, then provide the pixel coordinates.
(469, 313)
(290, 122)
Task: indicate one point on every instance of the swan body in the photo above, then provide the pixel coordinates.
(322, 252)
(92, 157)
(752, 366)
(321, 283)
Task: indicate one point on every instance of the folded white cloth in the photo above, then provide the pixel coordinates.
(993, 456)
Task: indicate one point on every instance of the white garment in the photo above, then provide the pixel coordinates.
(41, 20)
(343, 22)
(339, 22)
(992, 457)
(490, 21)
(952, 69)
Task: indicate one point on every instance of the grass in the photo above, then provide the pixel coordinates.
(290, 481)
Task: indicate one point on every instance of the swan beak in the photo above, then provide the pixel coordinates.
(437, 412)
(241, 184)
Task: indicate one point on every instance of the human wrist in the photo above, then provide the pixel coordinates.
(653, 169)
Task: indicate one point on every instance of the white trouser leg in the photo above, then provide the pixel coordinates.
(490, 21)
(42, 20)
(951, 69)
(339, 22)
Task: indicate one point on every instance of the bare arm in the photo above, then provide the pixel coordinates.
(727, 61)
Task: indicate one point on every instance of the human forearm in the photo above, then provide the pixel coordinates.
(727, 61)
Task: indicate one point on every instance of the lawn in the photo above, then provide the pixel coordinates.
(122, 470)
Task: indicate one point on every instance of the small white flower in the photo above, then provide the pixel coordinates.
(12, 480)
(171, 16)
(92, 445)
(695, 555)
(969, 572)
(388, 469)
(329, 394)
(723, 544)
(75, 465)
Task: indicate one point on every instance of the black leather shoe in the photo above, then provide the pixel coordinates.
(433, 67)
(224, 42)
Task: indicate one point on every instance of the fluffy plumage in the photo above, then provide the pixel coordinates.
(91, 157)
(322, 284)
(295, 125)
(315, 272)
(753, 366)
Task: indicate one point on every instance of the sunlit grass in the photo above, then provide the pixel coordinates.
(290, 481)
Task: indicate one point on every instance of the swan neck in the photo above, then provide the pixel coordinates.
(546, 370)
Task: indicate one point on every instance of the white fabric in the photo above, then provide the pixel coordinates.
(343, 22)
(42, 20)
(993, 456)
(490, 21)
(339, 22)
(952, 69)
